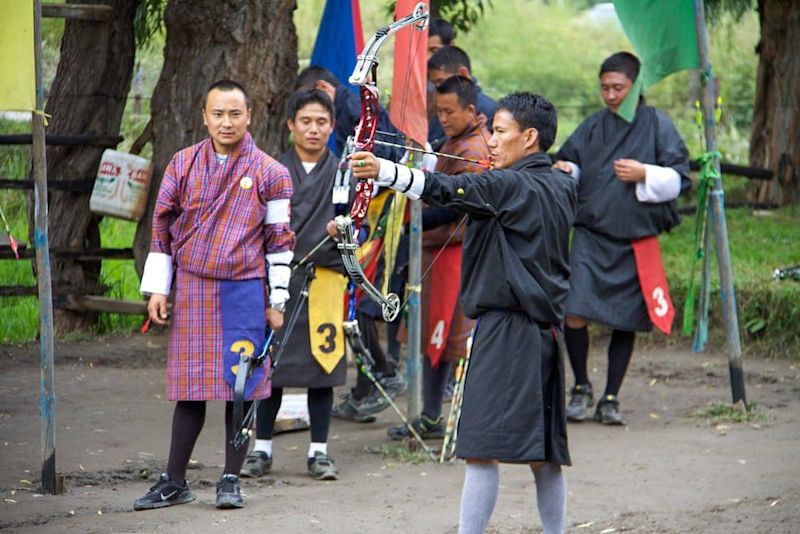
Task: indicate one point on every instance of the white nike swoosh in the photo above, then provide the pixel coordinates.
(165, 497)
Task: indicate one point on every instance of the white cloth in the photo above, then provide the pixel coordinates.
(401, 178)
(157, 276)
(278, 211)
(278, 275)
(661, 184)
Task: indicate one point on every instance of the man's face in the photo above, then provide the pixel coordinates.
(311, 127)
(508, 143)
(434, 44)
(454, 119)
(227, 117)
(614, 86)
(437, 76)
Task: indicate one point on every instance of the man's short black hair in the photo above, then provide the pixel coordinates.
(310, 75)
(304, 97)
(443, 29)
(623, 62)
(461, 86)
(449, 59)
(227, 85)
(533, 111)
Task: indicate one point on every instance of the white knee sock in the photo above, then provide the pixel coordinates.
(317, 447)
(478, 497)
(551, 498)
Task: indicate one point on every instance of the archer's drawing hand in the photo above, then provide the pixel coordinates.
(157, 308)
(629, 170)
(563, 166)
(331, 229)
(364, 165)
(274, 319)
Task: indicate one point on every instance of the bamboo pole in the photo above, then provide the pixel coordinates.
(717, 214)
(52, 482)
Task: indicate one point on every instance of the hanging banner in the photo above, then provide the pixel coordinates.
(410, 79)
(17, 75)
(339, 39)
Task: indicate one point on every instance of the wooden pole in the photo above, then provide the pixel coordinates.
(413, 288)
(717, 215)
(52, 482)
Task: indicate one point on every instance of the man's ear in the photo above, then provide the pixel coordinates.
(290, 125)
(531, 138)
(464, 72)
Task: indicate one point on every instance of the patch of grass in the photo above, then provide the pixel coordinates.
(721, 412)
(769, 310)
(401, 453)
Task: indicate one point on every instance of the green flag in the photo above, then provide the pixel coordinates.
(662, 33)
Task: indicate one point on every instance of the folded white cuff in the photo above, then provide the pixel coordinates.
(661, 184)
(278, 211)
(157, 276)
(576, 170)
(409, 181)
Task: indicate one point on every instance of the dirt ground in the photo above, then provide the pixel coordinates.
(667, 471)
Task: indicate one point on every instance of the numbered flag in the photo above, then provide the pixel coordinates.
(653, 282)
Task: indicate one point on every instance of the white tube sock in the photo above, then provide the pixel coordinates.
(478, 497)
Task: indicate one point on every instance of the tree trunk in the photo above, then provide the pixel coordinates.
(252, 42)
(88, 96)
(775, 134)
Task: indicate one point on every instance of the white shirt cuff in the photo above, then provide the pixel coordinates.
(157, 276)
(409, 181)
(576, 170)
(278, 275)
(661, 184)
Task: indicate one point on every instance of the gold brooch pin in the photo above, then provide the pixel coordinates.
(246, 182)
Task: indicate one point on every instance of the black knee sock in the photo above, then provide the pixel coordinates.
(187, 422)
(577, 341)
(433, 384)
(619, 355)
(267, 412)
(233, 457)
(320, 403)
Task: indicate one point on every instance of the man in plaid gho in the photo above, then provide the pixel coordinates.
(221, 227)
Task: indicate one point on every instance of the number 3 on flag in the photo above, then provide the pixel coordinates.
(662, 305)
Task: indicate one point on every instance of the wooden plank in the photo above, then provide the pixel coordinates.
(77, 11)
(753, 173)
(78, 186)
(74, 254)
(18, 291)
(101, 141)
(102, 304)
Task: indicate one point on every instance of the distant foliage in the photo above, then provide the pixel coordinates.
(148, 21)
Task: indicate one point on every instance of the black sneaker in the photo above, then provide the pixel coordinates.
(582, 397)
(394, 385)
(607, 411)
(426, 427)
(229, 494)
(321, 467)
(166, 492)
(350, 410)
(257, 463)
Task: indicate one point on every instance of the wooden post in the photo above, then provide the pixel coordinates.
(717, 215)
(413, 288)
(52, 482)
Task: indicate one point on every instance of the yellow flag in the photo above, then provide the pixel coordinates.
(17, 78)
(325, 315)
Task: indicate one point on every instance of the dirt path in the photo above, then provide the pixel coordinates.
(668, 471)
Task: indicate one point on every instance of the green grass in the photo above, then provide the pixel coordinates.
(401, 453)
(721, 412)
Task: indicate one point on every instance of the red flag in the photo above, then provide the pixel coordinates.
(410, 82)
(653, 282)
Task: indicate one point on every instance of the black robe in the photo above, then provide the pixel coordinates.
(604, 283)
(514, 281)
(312, 208)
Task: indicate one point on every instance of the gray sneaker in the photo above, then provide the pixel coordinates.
(229, 494)
(350, 410)
(321, 467)
(257, 463)
(580, 400)
(394, 385)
